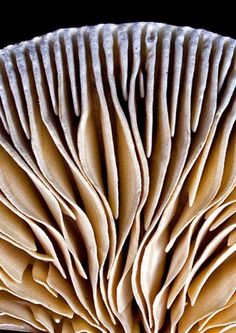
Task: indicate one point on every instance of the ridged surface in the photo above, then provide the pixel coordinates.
(118, 181)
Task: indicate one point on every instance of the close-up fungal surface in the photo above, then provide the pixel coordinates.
(118, 181)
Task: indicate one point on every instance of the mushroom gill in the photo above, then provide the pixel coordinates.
(118, 181)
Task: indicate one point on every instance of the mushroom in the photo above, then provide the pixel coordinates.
(118, 181)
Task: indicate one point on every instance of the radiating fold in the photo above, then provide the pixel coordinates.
(118, 181)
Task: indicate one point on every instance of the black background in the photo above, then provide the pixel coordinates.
(24, 21)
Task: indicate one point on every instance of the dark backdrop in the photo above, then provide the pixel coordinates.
(21, 22)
